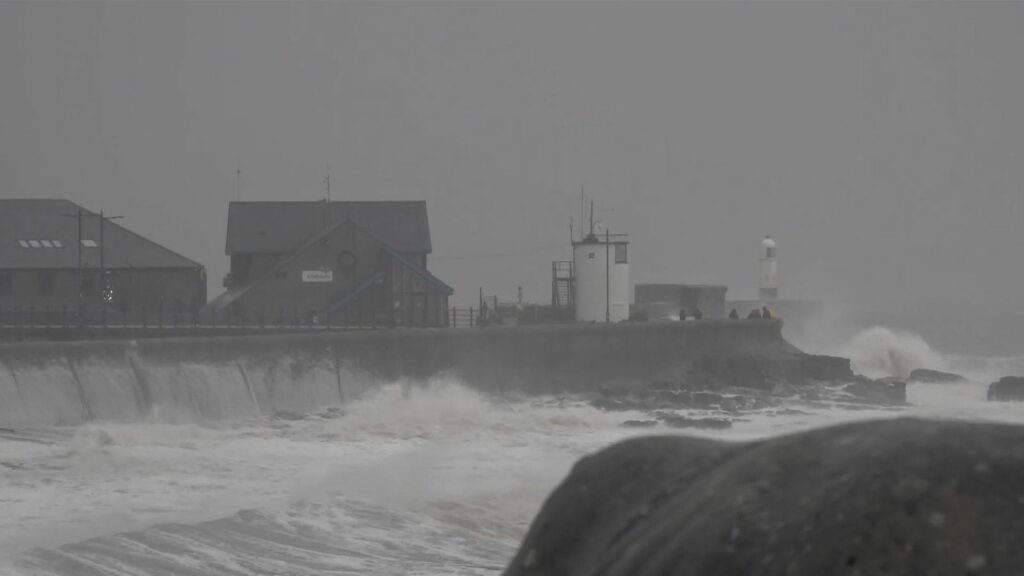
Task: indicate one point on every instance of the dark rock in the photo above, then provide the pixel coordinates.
(287, 415)
(934, 376)
(1008, 388)
(825, 368)
(885, 391)
(753, 371)
(639, 423)
(889, 497)
(676, 421)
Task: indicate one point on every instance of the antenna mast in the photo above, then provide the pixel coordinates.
(238, 180)
(591, 217)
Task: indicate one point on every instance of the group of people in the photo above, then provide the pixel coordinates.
(697, 314)
(756, 314)
(763, 314)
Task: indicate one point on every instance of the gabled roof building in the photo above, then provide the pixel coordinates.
(55, 253)
(348, 260)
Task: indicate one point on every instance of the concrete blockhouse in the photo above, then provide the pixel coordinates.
(656, 300)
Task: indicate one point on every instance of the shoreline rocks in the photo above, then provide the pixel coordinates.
(1007, 389)
(734, 384)
(934, 376)
(883, 497)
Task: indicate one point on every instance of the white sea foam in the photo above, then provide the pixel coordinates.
(413, 478)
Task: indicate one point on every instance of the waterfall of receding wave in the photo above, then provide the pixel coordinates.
(119, 382)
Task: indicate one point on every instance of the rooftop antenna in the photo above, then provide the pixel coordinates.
(582, 210)
(327, 181)
(591, 217)
(238, 180)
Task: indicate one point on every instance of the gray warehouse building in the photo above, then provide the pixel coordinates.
(55, 254)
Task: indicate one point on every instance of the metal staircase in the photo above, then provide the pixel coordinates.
(563, 281)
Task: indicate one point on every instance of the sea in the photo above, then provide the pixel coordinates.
(413, 478)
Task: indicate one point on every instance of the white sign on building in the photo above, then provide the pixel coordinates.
(318, 275)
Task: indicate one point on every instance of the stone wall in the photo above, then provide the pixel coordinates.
(66, 383)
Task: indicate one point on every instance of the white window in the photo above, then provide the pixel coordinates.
(46, 243)
(620, 253)
(89, 243)
(23, 243)
(57, 244)
(34, 243)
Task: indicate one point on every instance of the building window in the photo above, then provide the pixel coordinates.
(5, 285)
(770, 252)
(620, 253)
(45, 284)
(89, 243)
(34, 243)
(57, 244)
(591, 255)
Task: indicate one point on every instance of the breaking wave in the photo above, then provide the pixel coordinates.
(878, 352)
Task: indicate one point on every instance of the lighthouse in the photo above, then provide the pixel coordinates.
(769, 286)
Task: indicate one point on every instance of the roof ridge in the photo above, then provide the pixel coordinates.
(330, 202)
(140, 236)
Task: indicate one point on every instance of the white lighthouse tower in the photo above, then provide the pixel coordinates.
(769, 285)
(601, 277)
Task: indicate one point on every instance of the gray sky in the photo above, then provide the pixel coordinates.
(881, 144)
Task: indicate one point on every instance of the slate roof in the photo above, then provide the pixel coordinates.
(39, 222)
(282, 227)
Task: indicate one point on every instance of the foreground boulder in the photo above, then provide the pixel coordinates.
(1007, 388)
(935, 376)
(889, 497)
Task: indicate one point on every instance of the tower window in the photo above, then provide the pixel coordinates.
(770, 252)
(620, 253)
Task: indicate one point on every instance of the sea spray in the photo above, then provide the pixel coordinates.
(879, 352)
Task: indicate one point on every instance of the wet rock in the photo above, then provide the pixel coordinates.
(1008, 388)
(825, 368)
(752, 371)
(890, 497)
(676, 421)
(884, 392)
(287, 415)
(639, 424)
(934, 376)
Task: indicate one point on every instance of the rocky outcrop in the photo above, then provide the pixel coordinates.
(935, 376)
(825, 368)
(755, 371)
(882, 392)
(890, 497)
(1008, 388)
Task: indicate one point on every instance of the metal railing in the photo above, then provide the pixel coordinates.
(31, 320)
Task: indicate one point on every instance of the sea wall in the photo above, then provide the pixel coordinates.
(237, 377)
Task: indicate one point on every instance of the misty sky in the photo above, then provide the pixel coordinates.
(881, 144)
